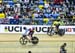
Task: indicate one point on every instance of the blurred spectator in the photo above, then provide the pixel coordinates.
(18, 6)
(45, 20)
(15, 1)
(1, 7)
(71, 1)
(41, 2)
(40, 15)
(37, 9)
(7, 5)
(26, 2)
(41, 7)
(48, 10)
(9, 17)
(16, 16)
(56, 1)
(2, 15)
(35, 15)
(46, 5)
(5, 21)
(16, 9)
(72, 12)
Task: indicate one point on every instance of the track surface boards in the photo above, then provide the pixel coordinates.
(9, 43)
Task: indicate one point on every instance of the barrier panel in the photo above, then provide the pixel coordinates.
(39, 29)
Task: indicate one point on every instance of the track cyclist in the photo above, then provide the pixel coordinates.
(55, 26)
(28, 33)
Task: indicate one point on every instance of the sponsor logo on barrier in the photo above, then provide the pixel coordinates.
(38, 29)
(42, 29)
(68, 29)
(21, 28)
(14, 28)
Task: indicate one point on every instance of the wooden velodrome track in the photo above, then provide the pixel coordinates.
(9, 43)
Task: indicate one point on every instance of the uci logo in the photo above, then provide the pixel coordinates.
(21, 28)
(14, 28)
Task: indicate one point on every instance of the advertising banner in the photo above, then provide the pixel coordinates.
(39, 29)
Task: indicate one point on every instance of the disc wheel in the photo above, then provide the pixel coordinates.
(61, 32)
(35, 40)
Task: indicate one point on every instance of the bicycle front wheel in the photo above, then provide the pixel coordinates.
(23, 40)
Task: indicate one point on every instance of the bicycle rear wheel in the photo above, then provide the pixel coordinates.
(35, 40)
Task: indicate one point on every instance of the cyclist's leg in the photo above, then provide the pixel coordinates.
(57, 29)
(29, 36)
(32, 34)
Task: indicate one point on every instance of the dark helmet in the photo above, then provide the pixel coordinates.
(24, 28)
(65, 44)
(29, 52)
